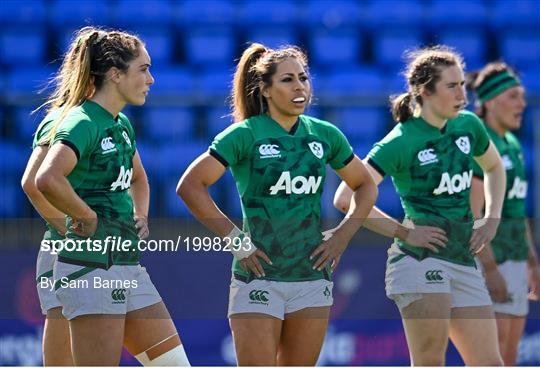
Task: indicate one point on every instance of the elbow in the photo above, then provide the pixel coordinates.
(340, 204)
(29, 186)
(43, 182)
(374, 191)
(182, 188)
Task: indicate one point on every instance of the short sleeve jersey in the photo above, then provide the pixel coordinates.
(280, 177)
(40, 139)
(432, 171)
(510, 242)
(104, 147)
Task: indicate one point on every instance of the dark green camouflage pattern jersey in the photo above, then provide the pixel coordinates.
(105, 147)
(40, 139)
(510, 242)
(280, 177)
(432, 172)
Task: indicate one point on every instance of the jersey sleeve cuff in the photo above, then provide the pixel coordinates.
(72, 146)
(376, 167)
(218, 157)
(348, 159)
(485, 148)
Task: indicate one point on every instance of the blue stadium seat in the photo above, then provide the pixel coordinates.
(22, 47)
(332, 13)
(361, 124)
(141, 12)
(68, 13)
(2, 118)
(272, 37)
(172, 81)
(210, 46)
(521, 49)
(169, 124)
(471, 44)
(159, 44)
(214, 84)
(335, 48)
(388, 199)
(395, 83)
(531, 80)
(260, 12)
(11, 198)
(443, 13)
(14, 158)
(18, 12)
(355, 81)
(388, 47)
(217, 119)
(390, 14)
(230, 198)
(27, 81)
(26, 123)
(510, 13)
(361, 149)
(208, 12)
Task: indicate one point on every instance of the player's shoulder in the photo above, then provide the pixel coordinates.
(467, 118)
(316, 122)
(318, 126)
(512, 140)
(240, 130)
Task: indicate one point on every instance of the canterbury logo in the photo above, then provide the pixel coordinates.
(258, 296)
(269, 150)
(119, 295)
(327, 293)
(427, 156)
(107, 145)
(434, 276)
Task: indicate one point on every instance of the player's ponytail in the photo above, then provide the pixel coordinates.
(246, 94)
(402, 109)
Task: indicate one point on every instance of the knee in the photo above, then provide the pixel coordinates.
(430, 353)
(433, 360)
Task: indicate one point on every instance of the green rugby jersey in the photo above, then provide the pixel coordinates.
(280, 177)
(510, 242)
(40, 136)
(432, 172)
(105, 147)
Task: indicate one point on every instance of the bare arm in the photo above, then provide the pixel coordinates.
(46, 210)
(364, 195)
(51, 180)
(381, 223)
(494, 280)
(494, 189)
(140, 193)
(193, 189)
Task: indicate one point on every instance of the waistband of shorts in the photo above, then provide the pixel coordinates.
(78, 262)
(248, 279)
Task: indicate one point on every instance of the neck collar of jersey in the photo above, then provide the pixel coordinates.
(432, 127)
(97, 109)
(293, 129)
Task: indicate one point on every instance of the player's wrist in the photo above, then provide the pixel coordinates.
(401, 232)
(240, 245)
